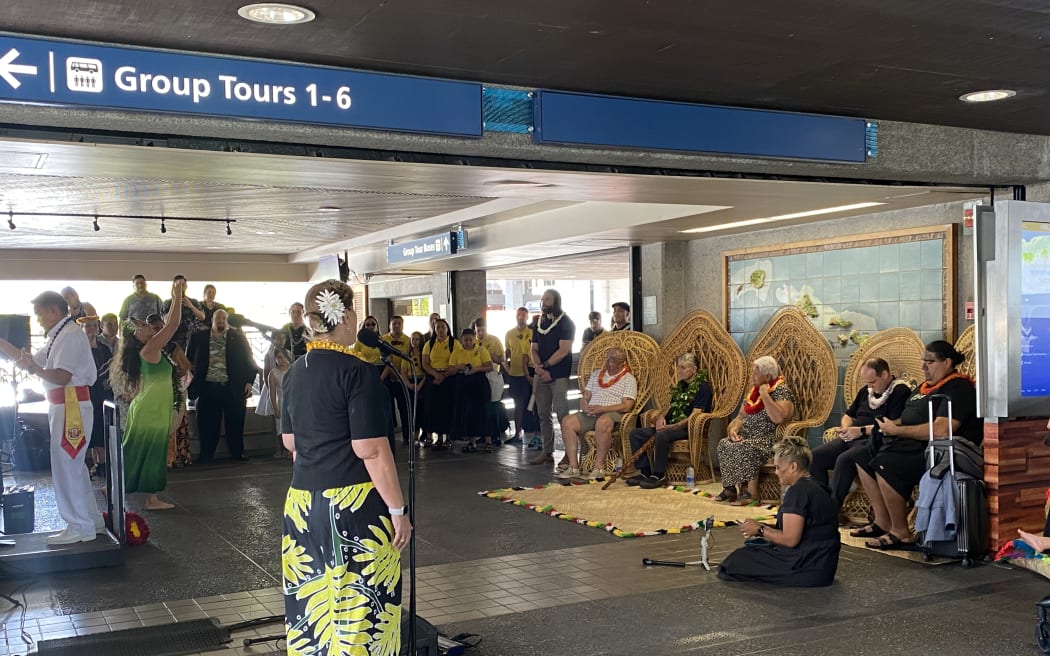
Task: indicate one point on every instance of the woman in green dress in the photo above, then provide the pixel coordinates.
(142, 372)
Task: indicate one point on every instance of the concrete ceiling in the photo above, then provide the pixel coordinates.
(882, 59)
(276, 203)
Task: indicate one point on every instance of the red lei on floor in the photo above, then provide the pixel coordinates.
(605, 385)
(753, 403)
(926, 388)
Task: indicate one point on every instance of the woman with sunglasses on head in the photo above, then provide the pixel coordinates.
(898, 461)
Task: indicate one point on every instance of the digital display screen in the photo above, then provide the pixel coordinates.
(1035, 309)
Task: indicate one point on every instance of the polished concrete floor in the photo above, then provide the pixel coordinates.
(525, 583)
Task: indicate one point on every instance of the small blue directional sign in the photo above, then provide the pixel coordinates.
(70, 73)
(426, 248)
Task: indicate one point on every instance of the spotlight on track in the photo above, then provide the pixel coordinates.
(163, 228)
(228, 230)
(94, 225)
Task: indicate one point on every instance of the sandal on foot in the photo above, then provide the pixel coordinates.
(872, 530)
(726, 495)
(744, 499)
(890, 542)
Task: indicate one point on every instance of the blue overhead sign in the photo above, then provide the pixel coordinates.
(590, 120)
(426, 248)
(70, 73)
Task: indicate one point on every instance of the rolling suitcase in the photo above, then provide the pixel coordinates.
(963, 477)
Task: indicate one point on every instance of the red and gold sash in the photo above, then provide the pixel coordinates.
(73, 437)
(753, 404)
(926, 388)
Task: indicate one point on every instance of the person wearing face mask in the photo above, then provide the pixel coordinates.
(223, 374)
(881, 396)
(142, 370)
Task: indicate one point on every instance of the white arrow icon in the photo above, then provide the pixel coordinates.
(7, 68)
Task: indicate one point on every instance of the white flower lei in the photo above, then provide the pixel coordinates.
(330, 306)
(539, 326)
(876, 401)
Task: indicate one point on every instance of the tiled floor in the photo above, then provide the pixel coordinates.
(453, 592)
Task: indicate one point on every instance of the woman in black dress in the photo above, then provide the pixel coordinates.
(897, 462)
(345, 520)
(802, 549)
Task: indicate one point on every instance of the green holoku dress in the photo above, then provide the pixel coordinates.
(149, 425)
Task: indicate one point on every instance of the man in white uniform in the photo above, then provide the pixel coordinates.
(67, 369)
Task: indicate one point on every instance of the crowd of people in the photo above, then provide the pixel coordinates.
(154, 356)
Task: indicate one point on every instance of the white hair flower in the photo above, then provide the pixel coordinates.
(330, 306)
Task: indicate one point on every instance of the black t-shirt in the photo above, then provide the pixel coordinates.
(589, 334)
(811, 500)
(548, 344)
(704, 399)
(331, 398)
(964, 409)
(862, 413)
(295, 340)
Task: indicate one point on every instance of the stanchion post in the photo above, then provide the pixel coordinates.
(115, 471)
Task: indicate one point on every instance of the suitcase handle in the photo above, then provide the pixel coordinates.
(951, 449)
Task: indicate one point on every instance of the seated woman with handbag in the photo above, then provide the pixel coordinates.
(802, 548)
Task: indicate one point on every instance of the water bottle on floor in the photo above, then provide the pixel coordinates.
(690, 477)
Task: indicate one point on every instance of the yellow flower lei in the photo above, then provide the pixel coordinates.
(330, 346)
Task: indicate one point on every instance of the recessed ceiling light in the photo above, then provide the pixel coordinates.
(990, 95)
(265, 232)
(276, 13)
(783, 217)
(329, 208)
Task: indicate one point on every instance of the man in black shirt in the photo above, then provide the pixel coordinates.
(881, 396)
(552, 356)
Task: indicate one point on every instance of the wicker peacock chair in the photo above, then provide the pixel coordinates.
(902, 349)
(965, 345)
(808, 366)
(719, 356)
(641, 353)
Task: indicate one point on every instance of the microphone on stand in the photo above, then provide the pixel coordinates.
(370, 338)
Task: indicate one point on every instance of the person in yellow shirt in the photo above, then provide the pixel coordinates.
(468, 366)
(415, 378)
(518, 343)
(490, 342)
(369, 354)
(437, 351)
(399, 340)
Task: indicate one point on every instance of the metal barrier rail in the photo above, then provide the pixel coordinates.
(115, 471)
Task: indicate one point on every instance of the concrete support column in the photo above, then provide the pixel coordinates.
(469, 298)
(663, 283)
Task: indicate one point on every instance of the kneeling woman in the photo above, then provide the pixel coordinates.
(802, 549)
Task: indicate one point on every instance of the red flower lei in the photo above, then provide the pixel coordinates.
(605, 385)
(926, 388)
(753, 404)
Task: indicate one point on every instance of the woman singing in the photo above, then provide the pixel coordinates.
(345, 520)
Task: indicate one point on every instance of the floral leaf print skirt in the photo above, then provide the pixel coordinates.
(342, 576)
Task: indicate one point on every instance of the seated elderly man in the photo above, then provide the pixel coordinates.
(690, 395)
(610, 392)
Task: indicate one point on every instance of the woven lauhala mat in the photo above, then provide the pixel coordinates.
(630, 511)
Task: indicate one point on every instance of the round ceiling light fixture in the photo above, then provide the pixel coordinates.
(991, 95)
(276, 13)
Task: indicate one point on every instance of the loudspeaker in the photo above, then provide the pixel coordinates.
(19, 511)
(32, 450)
(426, 638)
(15, 329)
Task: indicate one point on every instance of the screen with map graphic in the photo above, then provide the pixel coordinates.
(1035, 309)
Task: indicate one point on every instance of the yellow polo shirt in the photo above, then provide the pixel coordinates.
(491, 343)
(475, 357)
(401, 343)
(367, 353)
(440, 354)
(415, 368)
(519, 343)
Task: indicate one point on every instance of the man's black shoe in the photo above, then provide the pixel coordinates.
(635, 480)
(653, 482)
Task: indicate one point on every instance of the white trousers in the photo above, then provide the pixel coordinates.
(73, 493)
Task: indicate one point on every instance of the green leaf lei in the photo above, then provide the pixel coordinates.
(682, 396)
